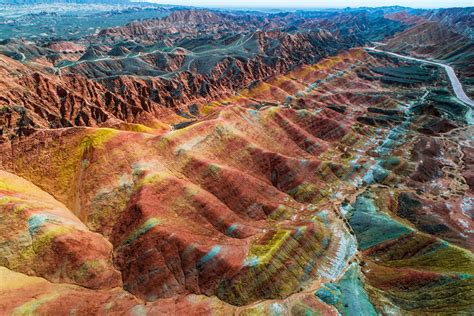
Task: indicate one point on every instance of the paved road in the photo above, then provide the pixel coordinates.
(456, 84)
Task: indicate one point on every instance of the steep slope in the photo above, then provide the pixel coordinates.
(45, 239)
(350, 184)
(238, 163)
(445, 35)
(112, 83)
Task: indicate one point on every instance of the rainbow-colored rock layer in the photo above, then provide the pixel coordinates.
(324, 191)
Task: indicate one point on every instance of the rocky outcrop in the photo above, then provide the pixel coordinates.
(182, 167)
(41, 237)
(107, 87)
(444, 35)
(255, 206)
(150, 72)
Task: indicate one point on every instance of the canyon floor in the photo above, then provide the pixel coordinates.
(341, 185)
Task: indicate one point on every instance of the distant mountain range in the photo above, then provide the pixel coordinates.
(21, 2)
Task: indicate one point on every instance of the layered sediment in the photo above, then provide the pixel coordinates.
(334, 178)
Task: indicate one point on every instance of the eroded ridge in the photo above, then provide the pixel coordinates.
(336, 178)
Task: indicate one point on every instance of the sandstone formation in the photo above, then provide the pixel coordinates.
(445, 35)
(186, 165)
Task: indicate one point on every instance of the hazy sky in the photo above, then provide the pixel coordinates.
(323, 3)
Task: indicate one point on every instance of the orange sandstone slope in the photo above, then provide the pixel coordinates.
(283, 198)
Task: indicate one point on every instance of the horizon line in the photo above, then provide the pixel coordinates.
(213, 6)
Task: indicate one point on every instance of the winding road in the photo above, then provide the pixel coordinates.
(455, 83)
